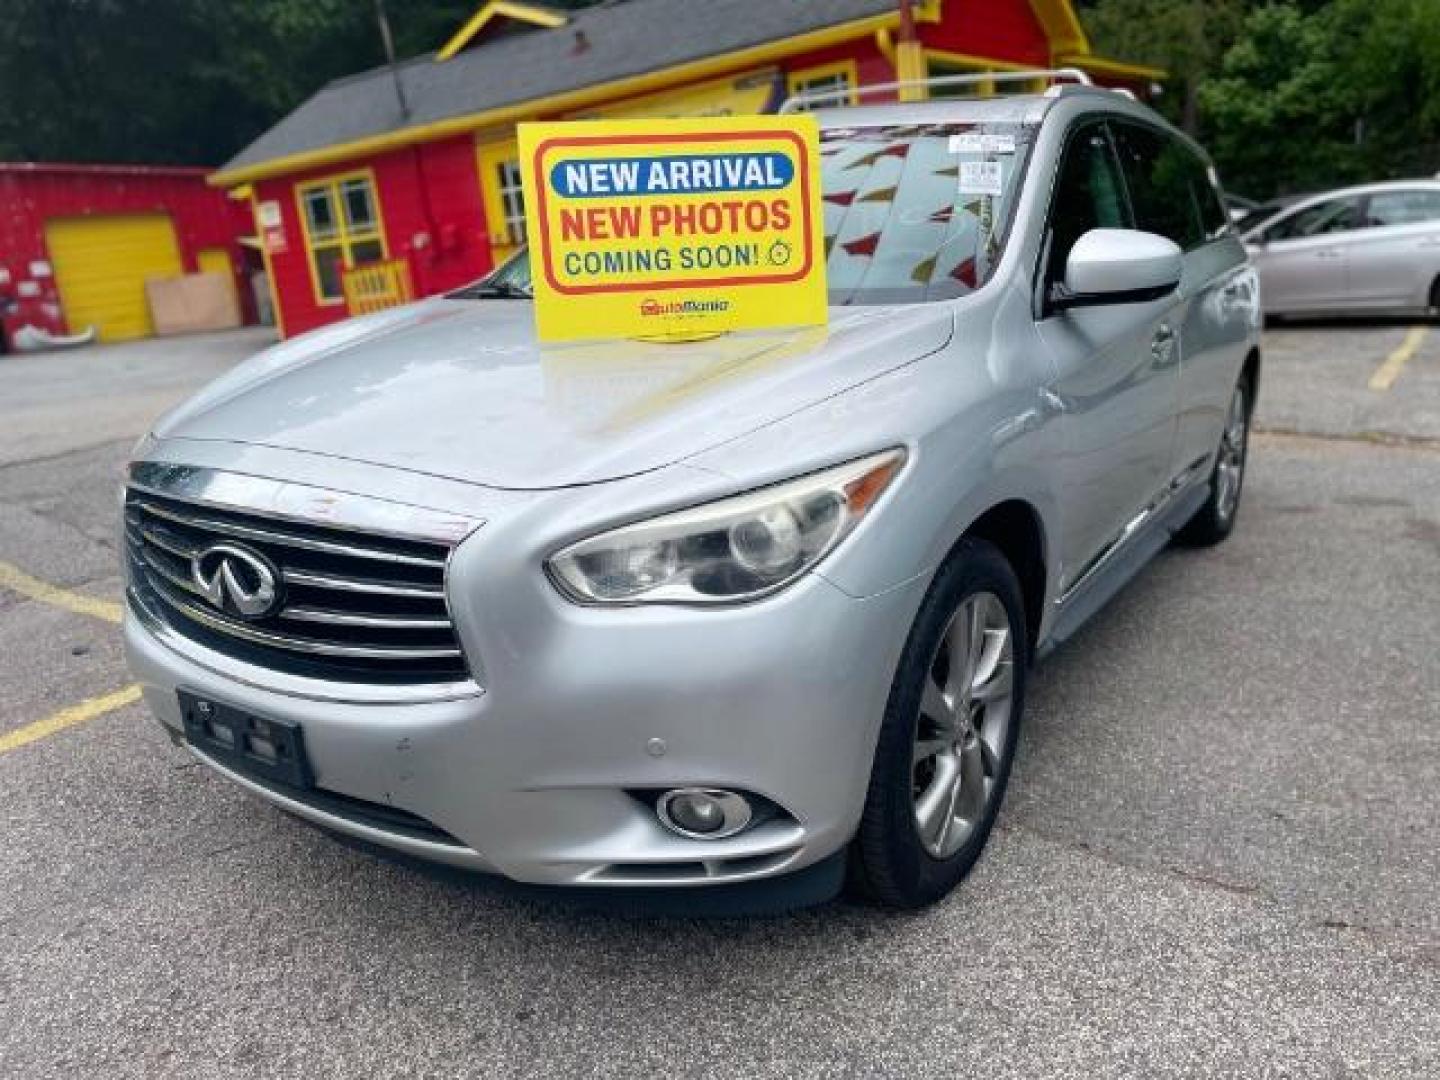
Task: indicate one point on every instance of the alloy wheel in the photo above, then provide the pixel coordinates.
(1230, 468)
(963, 726)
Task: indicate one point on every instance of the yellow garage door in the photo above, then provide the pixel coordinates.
(101, 264)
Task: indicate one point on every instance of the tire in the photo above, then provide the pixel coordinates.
(940, 751)
(1215, 520)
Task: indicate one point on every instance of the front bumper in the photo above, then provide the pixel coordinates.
(529, 777)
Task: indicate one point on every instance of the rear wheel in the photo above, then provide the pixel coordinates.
(948, 738)
(1214, 520)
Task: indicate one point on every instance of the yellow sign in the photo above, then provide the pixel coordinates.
(660, 228)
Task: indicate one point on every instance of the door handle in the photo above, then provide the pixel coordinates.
(1162, 345)
(1328, 253)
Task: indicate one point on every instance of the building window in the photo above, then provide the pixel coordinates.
(941, 63)
(341, 217)
(512, 200)
(840, 79)
(960, 90)
(503, 197)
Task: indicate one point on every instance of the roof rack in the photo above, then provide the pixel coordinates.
(846, 94)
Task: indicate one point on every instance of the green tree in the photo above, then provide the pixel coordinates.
(1389, 57)
(1185, 37)
(165, 80)
(185, 81)
(1278, 114)
(1309, 99)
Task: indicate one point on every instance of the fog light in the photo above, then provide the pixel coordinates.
(703, 813)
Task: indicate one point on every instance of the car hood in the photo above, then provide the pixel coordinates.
(462, 389)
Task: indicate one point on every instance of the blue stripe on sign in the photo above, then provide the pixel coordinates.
(671, 175)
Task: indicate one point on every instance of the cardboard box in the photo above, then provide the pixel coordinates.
(192, 303)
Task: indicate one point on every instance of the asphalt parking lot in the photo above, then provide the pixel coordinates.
(1220, 854)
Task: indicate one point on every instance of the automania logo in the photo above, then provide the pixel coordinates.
(236, 580)
(650, 307)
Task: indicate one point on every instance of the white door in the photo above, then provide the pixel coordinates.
(1394, 262)
(1301, 257)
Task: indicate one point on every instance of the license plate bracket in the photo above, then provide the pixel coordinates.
(265, 747)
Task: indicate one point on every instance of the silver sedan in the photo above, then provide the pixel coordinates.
(1367, 250)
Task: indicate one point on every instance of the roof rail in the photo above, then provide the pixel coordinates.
(845, 95)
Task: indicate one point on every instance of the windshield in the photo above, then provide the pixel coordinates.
(912, 212)
(917, 213)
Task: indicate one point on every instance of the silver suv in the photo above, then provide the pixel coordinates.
(634, 614)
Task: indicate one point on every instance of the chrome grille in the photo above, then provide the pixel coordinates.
(352, 606)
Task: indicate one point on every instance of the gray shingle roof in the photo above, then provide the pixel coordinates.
(629, 38)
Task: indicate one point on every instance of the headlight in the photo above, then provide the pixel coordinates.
(728, 551)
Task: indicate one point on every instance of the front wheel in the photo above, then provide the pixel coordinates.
(1214, 520)
(949, 733)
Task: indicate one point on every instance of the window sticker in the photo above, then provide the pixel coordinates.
(981, 178)
(976, 142)
(987, 249)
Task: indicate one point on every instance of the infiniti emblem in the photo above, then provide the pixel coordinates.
(236, 579)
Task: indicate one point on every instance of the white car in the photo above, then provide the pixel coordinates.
(1370, 250)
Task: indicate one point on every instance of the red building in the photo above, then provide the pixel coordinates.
(415, 168)
(77, 243)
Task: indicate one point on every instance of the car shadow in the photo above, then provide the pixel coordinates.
(806, 889)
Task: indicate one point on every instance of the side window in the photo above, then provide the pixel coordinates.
(1161, 174)
(1089, 195)
(1334, 215)
(1403, 208)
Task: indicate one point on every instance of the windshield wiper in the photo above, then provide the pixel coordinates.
(493, 290)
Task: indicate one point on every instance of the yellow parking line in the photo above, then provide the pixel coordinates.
(16, 580)
(75, 714)
(1386, 374)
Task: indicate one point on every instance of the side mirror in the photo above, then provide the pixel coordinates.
(1118, 266)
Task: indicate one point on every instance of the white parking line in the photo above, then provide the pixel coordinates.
(1386, 374)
